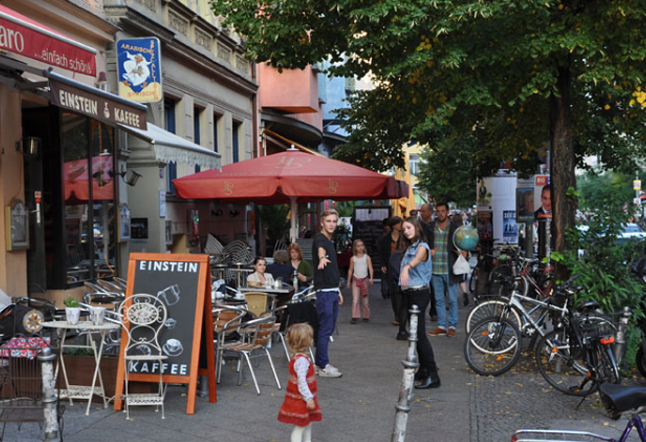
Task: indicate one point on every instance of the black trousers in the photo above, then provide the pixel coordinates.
(421, 298)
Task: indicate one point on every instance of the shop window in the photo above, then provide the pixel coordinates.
(90, 230)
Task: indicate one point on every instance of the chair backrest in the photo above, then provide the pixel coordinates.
(258, 332)
(20, 373)
(256, 302)
(226, 318)
(143, 317)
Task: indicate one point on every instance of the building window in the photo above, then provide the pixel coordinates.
(413, 164)
(171, 175)
(236, 142)
(169, 115)
(216, 122)
(196, 125)
(197, 168)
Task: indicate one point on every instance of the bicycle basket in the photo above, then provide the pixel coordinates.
(597, 326)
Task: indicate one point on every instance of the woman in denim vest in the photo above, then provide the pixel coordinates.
(416, 271)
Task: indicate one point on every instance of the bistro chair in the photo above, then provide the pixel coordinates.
(226, 323)
(279, 326)
(255, 337)
(143, 317)
(257, 303)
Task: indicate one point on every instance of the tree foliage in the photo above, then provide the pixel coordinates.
(512, 74)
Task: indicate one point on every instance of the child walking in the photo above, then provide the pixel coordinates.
(300, 407)
(360, 274)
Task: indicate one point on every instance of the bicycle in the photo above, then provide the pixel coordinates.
(493, 345)
(578, 357)
(616, 399)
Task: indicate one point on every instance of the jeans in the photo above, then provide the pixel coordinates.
(441, 284)
(327, 308)
(424, 349)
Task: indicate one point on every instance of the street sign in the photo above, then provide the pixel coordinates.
(637, 184)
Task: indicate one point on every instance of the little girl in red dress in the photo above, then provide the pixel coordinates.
(300, 407)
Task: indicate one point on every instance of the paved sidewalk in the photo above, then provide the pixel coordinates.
(360, 406)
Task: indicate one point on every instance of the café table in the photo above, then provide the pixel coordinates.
(279, 296)
(87, 328)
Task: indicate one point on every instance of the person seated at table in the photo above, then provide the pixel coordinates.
(303, 267)
(259, 278)
(280, 268)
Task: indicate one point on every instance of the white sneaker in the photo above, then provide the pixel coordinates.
(328, 372)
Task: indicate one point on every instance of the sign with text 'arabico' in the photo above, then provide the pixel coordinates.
(139, 69)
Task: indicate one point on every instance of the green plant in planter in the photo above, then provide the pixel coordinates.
(71, 302)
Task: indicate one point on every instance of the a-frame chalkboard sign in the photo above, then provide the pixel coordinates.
(183, 283)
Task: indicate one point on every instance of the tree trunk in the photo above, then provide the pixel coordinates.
(562, 165)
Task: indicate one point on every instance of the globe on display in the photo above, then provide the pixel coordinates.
(466, 238)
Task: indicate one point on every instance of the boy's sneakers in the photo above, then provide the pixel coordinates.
(328, 372)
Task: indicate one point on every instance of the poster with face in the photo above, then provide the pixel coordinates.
(542, 198)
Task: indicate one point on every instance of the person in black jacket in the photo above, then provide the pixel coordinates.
(444, 255)
(390, 243)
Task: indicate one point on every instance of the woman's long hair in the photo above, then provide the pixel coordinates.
(405, 243)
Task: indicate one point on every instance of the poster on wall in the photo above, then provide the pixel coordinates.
(542, 197)
(485, 226)
(509, 227)
(525, 201)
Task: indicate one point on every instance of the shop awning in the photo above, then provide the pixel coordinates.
(170, 147)
(21, 35)
(95, 103)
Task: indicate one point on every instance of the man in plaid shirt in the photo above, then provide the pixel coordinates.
(444, 280)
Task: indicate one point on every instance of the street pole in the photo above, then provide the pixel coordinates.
(406, 390)
(46, 359)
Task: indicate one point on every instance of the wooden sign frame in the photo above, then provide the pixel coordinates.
(202, 329)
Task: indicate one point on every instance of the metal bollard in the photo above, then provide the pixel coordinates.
(620, 341)
(46, 358)
(406, 390)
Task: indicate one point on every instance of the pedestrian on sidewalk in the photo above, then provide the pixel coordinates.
(416, 270)
(301, 406)
(390, 243)
(328, 295)
(444, 255)
(426, 213)
(360, 277)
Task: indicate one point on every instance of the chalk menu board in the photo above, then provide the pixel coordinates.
(367, 225)
(181, 283)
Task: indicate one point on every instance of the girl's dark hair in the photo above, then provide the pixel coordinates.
(257, 259)
(404, 242)
(394, 220)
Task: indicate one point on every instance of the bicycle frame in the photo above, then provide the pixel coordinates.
(527, 435)
(514, 301)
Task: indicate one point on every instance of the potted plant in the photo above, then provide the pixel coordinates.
(72, 310)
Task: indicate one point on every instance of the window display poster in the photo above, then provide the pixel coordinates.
(485, 225)
(509, 227)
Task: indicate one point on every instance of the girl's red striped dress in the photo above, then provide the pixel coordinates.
(294, 409)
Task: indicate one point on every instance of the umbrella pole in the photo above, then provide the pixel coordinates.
(293, 231)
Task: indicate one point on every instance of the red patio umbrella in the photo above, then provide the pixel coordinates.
(291, 176)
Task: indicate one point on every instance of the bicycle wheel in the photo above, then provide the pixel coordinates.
(500, 338)
(473, 280)
(606, 365)
(563, 365)
(640, 360)
(489, 308)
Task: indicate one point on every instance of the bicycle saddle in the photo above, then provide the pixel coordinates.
(588, 306)
(619, 398)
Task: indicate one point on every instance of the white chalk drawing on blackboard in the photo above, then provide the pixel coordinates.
(144, 349)
(170, 323)
(170, 295)
(173, 347)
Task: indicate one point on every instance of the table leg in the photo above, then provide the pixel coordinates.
(62, 364)
(97, 372)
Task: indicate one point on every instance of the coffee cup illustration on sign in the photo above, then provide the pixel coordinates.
(170, 323)
(170, 295)
(173, 347)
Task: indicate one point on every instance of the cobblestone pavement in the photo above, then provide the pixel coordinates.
(360, 406)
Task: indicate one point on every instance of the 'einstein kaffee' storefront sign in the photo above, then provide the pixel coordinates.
(98, 106)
